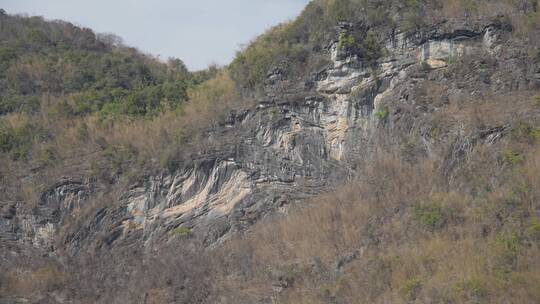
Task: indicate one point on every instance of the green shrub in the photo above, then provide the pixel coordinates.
(7, 139)
(37, 37)
(507, 248)
(513, 157)
(523, 131)
(82, 133)
(7, 54)
(532, 19)
(346, 41)
(18, 140)
(533, 231)
(510, 242)
(535, 133)
(181, 231)
(536, 100)
(371, 49)
(412, 4)
(470, 287)
(411, 289)
(383, 113)
(430, 215)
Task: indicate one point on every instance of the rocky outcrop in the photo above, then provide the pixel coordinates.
(290, 146)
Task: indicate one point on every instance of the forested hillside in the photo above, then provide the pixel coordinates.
(368, 151)
(56, 66)
(65, 91)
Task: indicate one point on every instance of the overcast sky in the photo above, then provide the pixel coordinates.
(199, 32)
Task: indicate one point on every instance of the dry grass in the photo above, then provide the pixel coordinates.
(36, 281)
(397, 236)
(395, 256)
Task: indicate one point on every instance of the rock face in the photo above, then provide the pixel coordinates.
(290, 146)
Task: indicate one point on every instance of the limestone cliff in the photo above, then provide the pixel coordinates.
(292, 144)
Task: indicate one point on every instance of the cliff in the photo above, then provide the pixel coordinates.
(302, 137)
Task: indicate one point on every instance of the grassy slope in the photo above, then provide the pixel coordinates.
(404, 233)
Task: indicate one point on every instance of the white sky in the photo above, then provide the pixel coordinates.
(199, 32)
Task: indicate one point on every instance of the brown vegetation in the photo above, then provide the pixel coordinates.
(393, 238)
(397, 235)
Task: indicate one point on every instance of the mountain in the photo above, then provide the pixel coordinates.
(368, 151)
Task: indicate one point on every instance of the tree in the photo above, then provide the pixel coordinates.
(110, 39)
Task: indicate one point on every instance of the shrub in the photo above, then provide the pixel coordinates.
(533, 19)
(18, 140)
(533, 231)
(346, 41)
(383, 113)
(325, 291)
(535, 133)
(469, 288)
(430, 215)
(513, 157)
(7, 139)
(536, 99)
(181, 231)
(415, 4)
(7, 54)
(523, 131)
(364, 44)
(371, 49)
(411, 288)
(507, 248)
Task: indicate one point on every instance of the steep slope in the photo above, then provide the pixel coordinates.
(327, 99)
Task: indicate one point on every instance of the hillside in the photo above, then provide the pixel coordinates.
(67, 91)
(367, 152)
